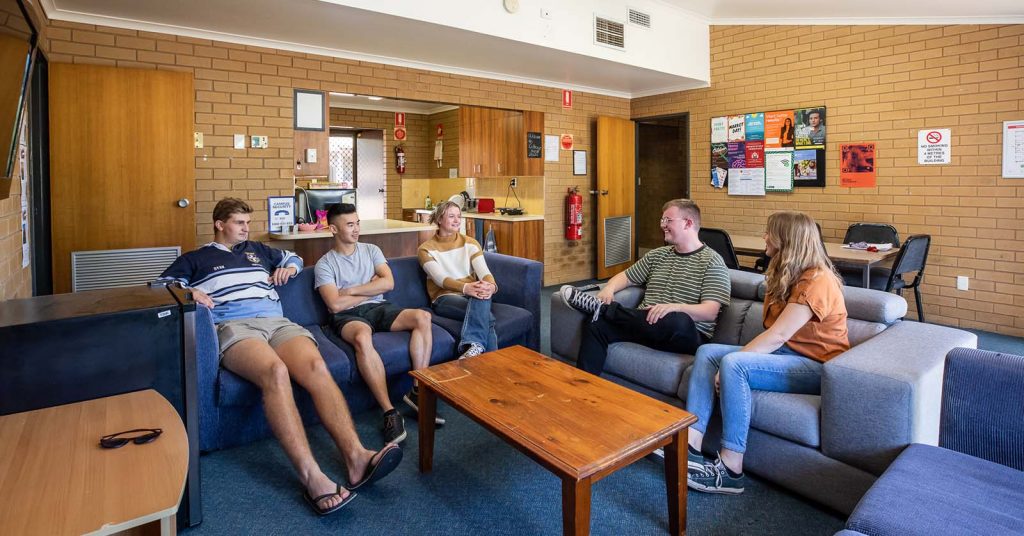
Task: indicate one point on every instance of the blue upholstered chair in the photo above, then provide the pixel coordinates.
(973, 482)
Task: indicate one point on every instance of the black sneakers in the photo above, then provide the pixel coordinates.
(581, 301)
(714, 478)
(394, 427)
(412, 398)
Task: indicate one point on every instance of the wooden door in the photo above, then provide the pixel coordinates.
(616, 182)
(121, 158)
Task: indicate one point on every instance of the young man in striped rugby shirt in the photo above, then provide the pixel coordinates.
(235, 278)
(687, 284)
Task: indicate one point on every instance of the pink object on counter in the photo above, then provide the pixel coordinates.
(307, 226)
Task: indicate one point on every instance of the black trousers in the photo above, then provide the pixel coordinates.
(675, 332)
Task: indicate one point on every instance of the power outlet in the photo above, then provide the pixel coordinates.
(545, 13)
(514, 182)
(961, 282)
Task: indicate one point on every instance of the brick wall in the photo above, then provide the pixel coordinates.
(248, 90)
(883, 84)
(15, 281)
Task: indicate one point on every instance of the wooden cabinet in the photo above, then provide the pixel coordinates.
(412, 214)
(492, 142)
(517, 238)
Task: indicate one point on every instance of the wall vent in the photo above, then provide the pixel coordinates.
(112, 268)
(618, 240)
(639, 18)
(609, 32)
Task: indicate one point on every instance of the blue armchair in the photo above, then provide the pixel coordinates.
(973, 482)
(230, 408)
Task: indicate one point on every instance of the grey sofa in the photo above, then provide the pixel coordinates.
(877, 398)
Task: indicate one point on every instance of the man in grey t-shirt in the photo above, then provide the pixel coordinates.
(352, 278)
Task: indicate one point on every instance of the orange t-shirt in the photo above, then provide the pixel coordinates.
(824, 336)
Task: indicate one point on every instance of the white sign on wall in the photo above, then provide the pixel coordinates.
(282, 212)
(933, 146)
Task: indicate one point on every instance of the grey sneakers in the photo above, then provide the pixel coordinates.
(474, 350)
(581, 301)
(714, 478)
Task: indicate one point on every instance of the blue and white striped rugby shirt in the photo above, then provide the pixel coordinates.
(236, 279)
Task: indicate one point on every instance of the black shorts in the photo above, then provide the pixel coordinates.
(379, 316)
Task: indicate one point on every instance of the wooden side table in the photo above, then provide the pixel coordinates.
(56, 479)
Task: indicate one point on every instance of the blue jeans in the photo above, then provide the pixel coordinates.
(783, 371)
(476, 317)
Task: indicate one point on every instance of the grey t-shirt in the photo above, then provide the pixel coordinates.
(345, 271)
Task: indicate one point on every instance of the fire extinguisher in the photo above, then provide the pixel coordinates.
(399, 159)
(574, 214)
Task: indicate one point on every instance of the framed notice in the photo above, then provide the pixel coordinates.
(1013, 149)
(281, 212)
(778, 170)
(309, 110)
(579, 162)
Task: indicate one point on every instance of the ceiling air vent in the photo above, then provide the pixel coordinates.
(609, 32)
(639, 18)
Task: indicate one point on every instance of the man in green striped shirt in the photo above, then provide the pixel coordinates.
(687, 285)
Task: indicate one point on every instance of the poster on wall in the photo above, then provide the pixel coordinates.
(779, 129)
(808, 167)
(736, 125)
(778, 170)
(810, 127)
(719, 165)
(1013, 149)
(754, 154)
(857, 165)
(753, 126)
(747, 181)
(719, 130)
(26, 253)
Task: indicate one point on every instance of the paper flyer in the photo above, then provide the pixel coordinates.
(753, 125)
(1013, 149)
(778, 170)
(737, 155)
(719, 129)
(779, 129)
(736, 124)
(805, 166)
(746, 181)
(754, 154)
(810, 127)
(857, 167)
(719, 165)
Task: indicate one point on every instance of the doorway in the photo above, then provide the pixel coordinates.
(663, 173)
(357, 161)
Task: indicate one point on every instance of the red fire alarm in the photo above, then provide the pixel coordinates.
(399, 119)
(566, 98)
(440, 131)
(399, 133)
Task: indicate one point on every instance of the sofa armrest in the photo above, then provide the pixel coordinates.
(519, 282)
(885, 393)
(568, 323)
(982, 404)
(207, 365)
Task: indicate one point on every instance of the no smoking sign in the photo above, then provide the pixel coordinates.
(933, 146)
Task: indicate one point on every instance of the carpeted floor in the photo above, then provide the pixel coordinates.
(479, 485)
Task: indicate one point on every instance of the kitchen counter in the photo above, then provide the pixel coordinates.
(395, 238)
(501, 217)
(366, 228)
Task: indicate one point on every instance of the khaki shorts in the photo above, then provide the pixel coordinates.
(275, 331)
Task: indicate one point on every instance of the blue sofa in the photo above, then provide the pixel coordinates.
(231, 409)
(973, 482)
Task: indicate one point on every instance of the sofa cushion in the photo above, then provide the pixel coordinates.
(393, 349)
(752, 323)
(745, 285)
(511, 323)
(654, 369)
(730, 320)
(410, 283)
(233, 390)
(787, 415)
(300, 302)
(874, 305)
(939, 491)
(860, 331)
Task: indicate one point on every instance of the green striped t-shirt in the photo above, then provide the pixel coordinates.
(689, 278)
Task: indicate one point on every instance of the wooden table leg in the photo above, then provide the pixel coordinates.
(575, 507)
(675, 483)
(427, 411)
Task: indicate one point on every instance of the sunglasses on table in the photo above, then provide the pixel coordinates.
(115, 441)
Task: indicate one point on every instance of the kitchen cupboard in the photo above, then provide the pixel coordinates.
(490, 142)
(516, 237)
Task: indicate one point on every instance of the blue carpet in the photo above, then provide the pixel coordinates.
(479, 485)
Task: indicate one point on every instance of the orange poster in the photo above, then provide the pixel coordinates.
(857, 168)
(779, 130)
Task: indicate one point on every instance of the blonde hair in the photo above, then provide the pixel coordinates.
(687, 207)
(441, 208)
(799, 248)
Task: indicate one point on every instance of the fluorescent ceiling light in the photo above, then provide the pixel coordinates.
(375, 98)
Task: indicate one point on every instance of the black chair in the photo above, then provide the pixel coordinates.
(873, 233)
(718, 240)
(912, 258)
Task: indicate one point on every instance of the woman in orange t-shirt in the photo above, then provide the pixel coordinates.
(805, 326)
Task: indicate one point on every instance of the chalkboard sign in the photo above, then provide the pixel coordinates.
(533, 144)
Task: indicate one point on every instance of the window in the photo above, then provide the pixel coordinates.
(342, 159)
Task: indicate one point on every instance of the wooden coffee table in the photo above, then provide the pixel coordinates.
(578, 426)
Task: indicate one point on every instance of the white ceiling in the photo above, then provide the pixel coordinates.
(347, 32)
